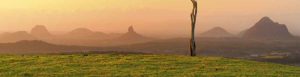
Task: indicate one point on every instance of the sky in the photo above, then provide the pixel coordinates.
(150, 17)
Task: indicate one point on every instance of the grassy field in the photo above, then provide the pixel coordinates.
(133, 65)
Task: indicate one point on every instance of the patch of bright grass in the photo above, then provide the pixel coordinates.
(134, 65)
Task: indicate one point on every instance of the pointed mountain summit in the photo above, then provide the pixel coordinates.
(265, 20)
(132, 35)
(131, 30)
(268, 29)
(216, 32)
(40, 31)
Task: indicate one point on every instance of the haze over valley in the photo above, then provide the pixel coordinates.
(168, 18)
(149, 38)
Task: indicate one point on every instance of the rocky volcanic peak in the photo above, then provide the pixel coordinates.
(216, 32)
(40, 31)
(132, 35)
(266, 28)
(131, 30)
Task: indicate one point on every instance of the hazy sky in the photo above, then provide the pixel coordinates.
(166, 17)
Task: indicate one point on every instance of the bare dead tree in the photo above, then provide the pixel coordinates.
(193, 20)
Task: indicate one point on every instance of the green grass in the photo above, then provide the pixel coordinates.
(133, 65)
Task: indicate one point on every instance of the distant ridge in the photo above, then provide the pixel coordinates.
(216, 32)
(16, 36)
(267, 29)
(37, 46)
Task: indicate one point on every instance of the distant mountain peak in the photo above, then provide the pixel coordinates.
(132, 35)
(85, 33)
(40, 31)
(220, 29)
(131, 29)
(132, 32)
(216, 32)
(267, 28)
(81, 31)
(266, 19)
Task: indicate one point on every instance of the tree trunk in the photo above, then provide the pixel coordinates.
(193, 23)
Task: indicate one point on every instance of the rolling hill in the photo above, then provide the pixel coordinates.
(16, 36)
(35, 46)
(216, 32)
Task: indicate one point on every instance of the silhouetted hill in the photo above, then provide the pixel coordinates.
(217, 32)
(80, 37)
(36, 46)
(81, 31)
(84, 33)
(40, 31)
(16, 36)
(267, 29)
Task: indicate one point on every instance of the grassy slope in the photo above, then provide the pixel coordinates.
(137, 65)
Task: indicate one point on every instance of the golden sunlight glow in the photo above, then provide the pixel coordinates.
(146, 15)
